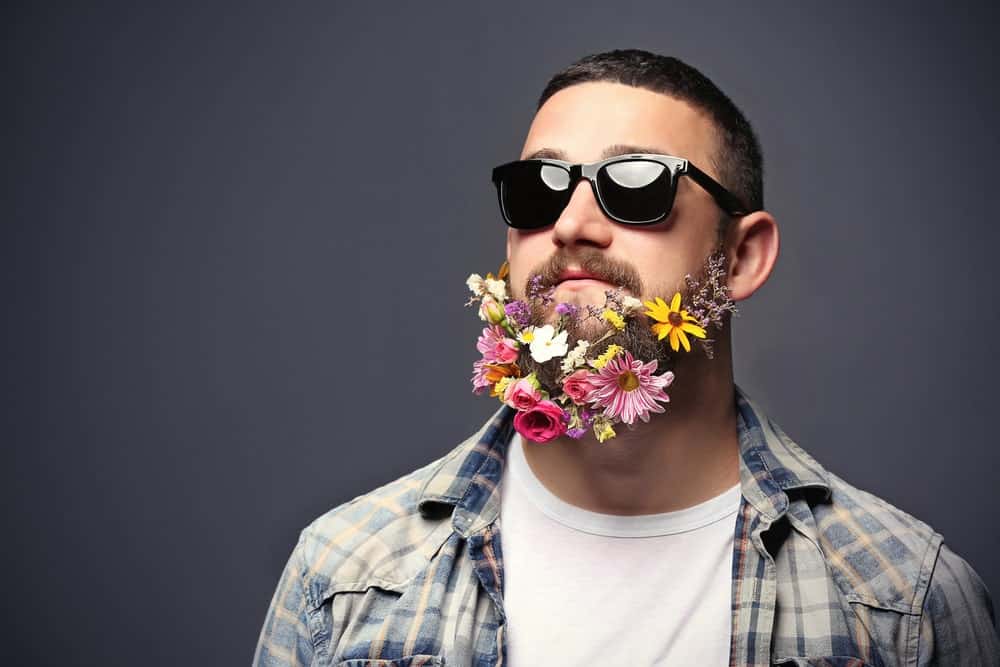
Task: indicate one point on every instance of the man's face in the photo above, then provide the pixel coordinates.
(581, 123)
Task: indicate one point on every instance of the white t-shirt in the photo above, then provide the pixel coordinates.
(587, 588)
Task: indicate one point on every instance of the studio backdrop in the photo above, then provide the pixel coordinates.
(236, 235)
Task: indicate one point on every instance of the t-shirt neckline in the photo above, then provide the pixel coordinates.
(613, 525)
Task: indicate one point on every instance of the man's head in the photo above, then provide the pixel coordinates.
(735, 154)
(638, 102)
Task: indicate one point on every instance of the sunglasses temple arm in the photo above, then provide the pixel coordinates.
(729, 202)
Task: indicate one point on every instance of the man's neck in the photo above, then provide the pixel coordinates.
(680, 458)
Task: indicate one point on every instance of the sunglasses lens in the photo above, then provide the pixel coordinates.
(533, 194)
(637, 191)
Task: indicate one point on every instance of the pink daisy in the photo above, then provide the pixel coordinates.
(626, 388)
(479, 379)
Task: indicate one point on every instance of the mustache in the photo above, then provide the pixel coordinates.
(616, 272)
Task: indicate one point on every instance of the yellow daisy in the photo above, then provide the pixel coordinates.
(613, 318)
(674, 322)
(609, 354)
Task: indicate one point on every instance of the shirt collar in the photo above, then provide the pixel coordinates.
(467, 479)
(772, 466)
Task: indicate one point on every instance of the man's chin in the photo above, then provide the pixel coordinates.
(590, 329)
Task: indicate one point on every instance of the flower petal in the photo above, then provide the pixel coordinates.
(675, 303)
(658, 311)
(693, 329)
(674, 344)
(684, 340)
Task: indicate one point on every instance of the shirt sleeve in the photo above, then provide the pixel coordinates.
(285, 640)
(958, 626)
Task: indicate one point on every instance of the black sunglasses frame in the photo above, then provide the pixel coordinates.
(677, 166)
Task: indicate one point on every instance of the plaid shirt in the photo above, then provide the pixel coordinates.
(823, 573)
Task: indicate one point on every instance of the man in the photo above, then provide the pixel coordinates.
(703, 535)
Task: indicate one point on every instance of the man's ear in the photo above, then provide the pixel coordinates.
(752, 245)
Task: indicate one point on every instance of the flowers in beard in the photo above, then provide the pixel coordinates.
(560, 386)
(577, 386)
(492, 376)
(491, 311)
(479, 381)
(497, 343)
(547, 343)
(627, 389)
(541, 422)
(674, 322)
(523, 394)
(496, 347)
(518, 312)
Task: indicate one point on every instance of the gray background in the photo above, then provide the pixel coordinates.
(234, 247)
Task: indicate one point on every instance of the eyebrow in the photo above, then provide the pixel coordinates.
(610, 151)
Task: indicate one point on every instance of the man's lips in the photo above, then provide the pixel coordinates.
(577, 279)
(581, 283)
(578, 275)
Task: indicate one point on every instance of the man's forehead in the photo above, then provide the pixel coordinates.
(596, 120)
(613, 150)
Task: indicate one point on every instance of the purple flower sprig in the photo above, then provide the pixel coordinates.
(710, 300)
(519, 312)
(580, 422)
(567, 310)
(537, 290)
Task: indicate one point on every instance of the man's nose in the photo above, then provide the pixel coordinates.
(583, 222)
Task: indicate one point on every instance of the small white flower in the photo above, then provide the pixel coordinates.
(476, 284)
(497, 288)
(575, 358)
(546, 344)
(630, 303)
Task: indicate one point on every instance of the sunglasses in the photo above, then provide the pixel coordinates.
(634, 189)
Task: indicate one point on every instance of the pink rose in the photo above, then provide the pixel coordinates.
(578, 385)
(506, 351)
(541, 423)
(496, 347)
(522, 395)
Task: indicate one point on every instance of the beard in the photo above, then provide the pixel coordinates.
(704, 294)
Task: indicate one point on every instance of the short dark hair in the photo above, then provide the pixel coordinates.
(737, 157)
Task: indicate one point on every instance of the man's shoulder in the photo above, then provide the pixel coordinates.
(876, 553)
(875, 561)
(370, 539)
(383, 537)
(884, 558)
(879, 554)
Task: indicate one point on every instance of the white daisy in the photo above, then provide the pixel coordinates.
(546, 344)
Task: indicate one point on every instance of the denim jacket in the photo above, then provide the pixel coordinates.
(823, 573)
